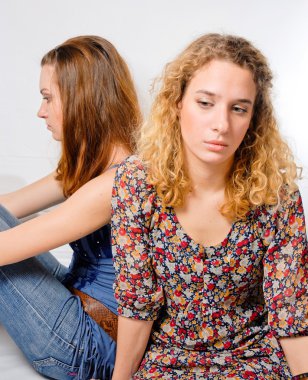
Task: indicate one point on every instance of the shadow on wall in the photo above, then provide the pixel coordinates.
(10, 183)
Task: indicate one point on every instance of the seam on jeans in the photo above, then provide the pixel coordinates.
(37, 313)
(52, 360)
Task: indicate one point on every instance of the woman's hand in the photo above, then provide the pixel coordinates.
(296, 352)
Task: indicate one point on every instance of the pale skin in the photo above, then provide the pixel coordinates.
(214, 114)
(55, 228)
(47, 191)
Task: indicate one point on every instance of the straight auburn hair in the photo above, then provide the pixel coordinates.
(99, 105)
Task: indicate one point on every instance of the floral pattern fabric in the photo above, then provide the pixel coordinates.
(218, 310)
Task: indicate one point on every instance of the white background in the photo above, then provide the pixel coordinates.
(148, 34)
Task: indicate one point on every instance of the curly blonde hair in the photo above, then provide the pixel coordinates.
(263, 163)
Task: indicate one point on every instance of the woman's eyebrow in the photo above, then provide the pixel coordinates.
(240, 100)
(206, 92)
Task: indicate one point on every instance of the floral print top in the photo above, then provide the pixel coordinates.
(218, 310)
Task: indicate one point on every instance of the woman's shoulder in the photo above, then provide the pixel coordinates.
(289, 202)
(131, 174)
(131, 189)
(268, 220)
(287, 199)
(132, 168)
(132, 161)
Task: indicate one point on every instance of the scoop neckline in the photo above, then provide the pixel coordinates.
(205, 247)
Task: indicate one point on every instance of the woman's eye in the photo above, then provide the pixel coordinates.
(239, 109)
(47, 98)
(205, 103)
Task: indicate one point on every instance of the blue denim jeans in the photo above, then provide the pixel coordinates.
(47, 322)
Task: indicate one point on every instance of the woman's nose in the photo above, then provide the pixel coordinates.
(42, 112)
(222, 121)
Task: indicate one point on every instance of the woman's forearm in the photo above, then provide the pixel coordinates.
(33, 198)
(133, 336)
(296, 352)
(62, 224)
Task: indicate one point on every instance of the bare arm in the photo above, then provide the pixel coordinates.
(85, 211)
(35, 197)
(296, 352)
(133, 336)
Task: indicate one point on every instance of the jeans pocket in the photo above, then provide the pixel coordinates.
(55, 369)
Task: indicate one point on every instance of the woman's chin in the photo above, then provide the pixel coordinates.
(56, 137)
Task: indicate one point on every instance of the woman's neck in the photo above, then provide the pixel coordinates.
(208, 178)
(118, 154)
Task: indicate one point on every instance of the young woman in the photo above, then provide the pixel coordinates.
(89, 105)
(209, 233)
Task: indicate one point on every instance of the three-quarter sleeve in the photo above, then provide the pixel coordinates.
(136, 287)
(285, 283)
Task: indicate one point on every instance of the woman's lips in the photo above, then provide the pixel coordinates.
(215, 146)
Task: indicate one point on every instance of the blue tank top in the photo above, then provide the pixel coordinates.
(91, 269)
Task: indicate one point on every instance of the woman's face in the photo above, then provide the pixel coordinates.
(51, 107)
(215, 112)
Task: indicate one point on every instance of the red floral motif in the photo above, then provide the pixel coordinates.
(218, 310)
